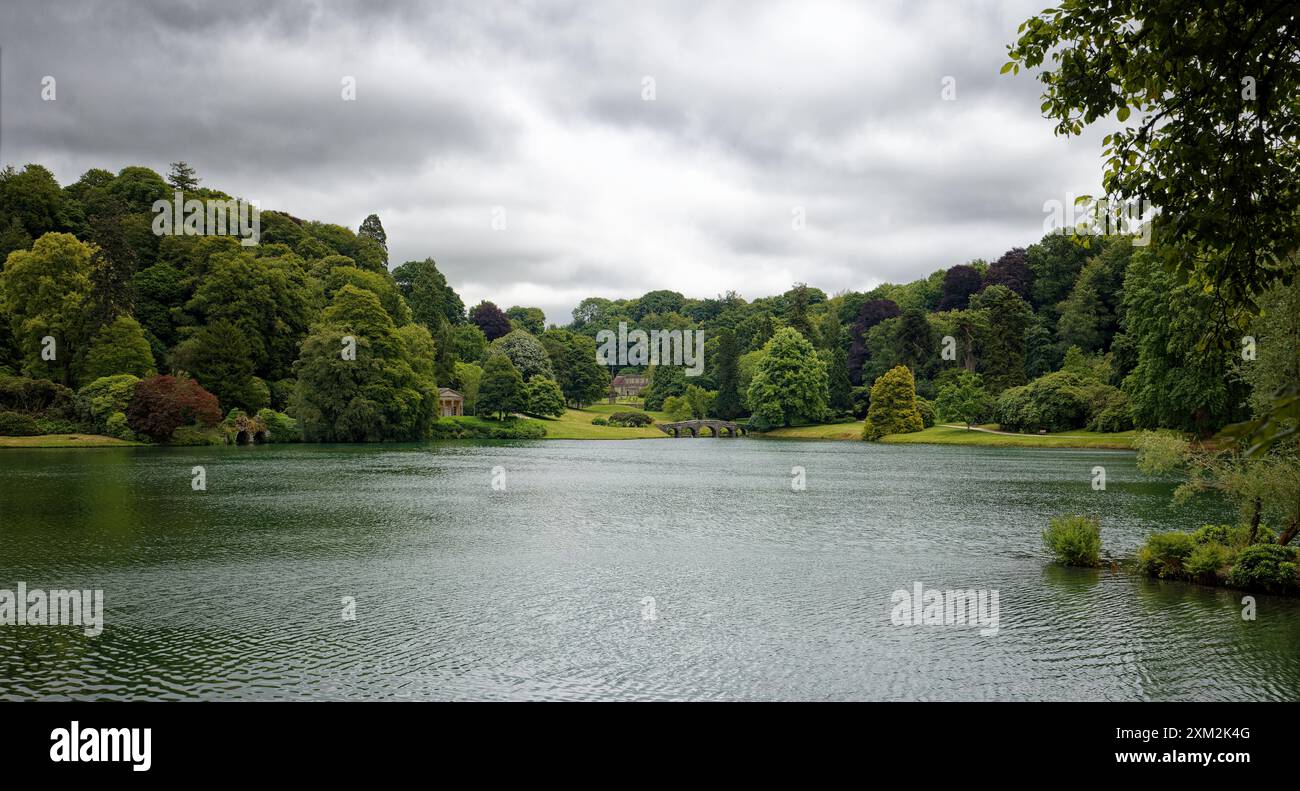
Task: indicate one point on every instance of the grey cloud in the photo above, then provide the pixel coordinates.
(537, 106)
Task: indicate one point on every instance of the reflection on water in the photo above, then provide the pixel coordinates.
(536, 592)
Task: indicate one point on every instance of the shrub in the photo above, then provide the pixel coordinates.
(1226, 535)
(196, 434)
(630, 419)
(99, 400)
(35, 395)
(279, 426)
(1074, 540)
(162, 404)
(16, 424)
(519, 429)
(1166, 554)
(1206, 561)
(117, 426)
(59, 425)
(599, 421)
(1057, 401)
(1266, 567)
(475, 428)
(1113, 417)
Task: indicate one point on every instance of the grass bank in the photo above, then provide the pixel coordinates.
(65, 441)
(946, 435)
(822, 431)
(576, 424)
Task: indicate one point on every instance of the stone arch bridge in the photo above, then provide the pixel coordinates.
(695, 428)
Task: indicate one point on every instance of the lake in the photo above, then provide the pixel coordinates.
(610, 570)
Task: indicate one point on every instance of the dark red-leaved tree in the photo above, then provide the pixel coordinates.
(872, 312)
(162, 404)
(958, 284)
(490, 319)
(1012, 270)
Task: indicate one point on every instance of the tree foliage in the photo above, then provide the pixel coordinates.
(161, 404)
(490, 319)
(501, 390)
(893, 407)
(118, 348)
(789, 382)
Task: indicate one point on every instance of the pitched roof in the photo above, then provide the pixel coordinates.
(444, 392)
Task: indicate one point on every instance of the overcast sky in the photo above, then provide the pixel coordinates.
(761, 110)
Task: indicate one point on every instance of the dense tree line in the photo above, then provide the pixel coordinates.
(314, 322)
(311, 327)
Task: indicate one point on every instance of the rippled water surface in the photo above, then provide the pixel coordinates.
(759, 592)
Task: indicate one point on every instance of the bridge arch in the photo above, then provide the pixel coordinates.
(697, 428)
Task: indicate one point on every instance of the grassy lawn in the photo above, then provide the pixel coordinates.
(576, 424)
(64, 441)
(1077, 438)
(824, 431)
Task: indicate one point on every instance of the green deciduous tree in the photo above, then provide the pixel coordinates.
(665, 381)
(543, 397)
(468, 376)
(501, 390)
(964, 400)
(789, 382)
(700, 401)
(581, 377)
(385, 391)
(1228, 199)
(531, 320)
(1090, 315)
(269, 299)
(379, 284)
(118, 348)
(1177, 382)
(44, 292)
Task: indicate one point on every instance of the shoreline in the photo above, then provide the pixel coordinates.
(571, 430)
(956, 435)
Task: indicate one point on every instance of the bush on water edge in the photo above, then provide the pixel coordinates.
(480, 428)
(1074, 540)
(1223, 555)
